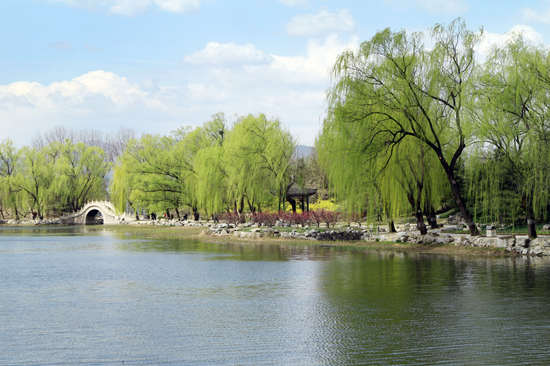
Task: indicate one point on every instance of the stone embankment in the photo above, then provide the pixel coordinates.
(516, 244)
(29, 222)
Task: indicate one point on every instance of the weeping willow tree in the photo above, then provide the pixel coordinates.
(58, 177)
(80, 172)
(381, 182)
(11, 197)
(514, 112)
(150, 176)
(207, 169)
(491, 187)
(353, 174)
(257, 159)
(212, 188)
(401, 91)
(36, 178)
(421, 179)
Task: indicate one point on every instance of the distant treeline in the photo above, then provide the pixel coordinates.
(201, 171)
(208, 170)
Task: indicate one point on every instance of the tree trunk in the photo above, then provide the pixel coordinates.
(241, 206)
(431, 217)
(391, 226)
(420, 222)
(530, 218)
(455, 189)
(251, 206)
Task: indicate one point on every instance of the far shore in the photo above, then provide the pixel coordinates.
(200, 234)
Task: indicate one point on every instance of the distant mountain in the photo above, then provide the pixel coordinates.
(303, 151)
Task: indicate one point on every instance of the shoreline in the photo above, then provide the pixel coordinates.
(202, 234)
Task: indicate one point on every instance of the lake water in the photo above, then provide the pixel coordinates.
(75, 296)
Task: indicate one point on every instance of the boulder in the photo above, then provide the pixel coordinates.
(506, 241)
(445, 239)
(451, 228)
(484, 242)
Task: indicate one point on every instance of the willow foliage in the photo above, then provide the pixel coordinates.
(208, 169)
(394, 95)
(514, 113)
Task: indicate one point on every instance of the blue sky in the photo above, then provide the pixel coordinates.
(156, 65)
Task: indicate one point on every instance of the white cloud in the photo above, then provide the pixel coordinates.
(132, 7)
(453, 7)
(228, 53)
(111, 87)
(315, 66)
(321, 23)
(293, 3)
(291, 88)
(530, 14)
(97, 99)
(494, 40)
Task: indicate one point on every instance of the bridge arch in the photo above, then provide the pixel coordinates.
(94, 216)
(93, 212)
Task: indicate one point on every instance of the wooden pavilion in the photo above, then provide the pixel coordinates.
(299, 194)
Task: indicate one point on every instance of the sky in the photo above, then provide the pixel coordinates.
(156, 65)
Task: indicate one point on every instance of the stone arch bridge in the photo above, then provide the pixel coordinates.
(94, 213)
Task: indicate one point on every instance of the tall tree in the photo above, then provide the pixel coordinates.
(80, 174)
(403, 91)
(35, 179)
(513, 123)
(258, 154)
(9, 188)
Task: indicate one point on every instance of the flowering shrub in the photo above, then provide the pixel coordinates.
(328, 217)
(232, 218)
(289, 218)
(324, 205)
(316, 217)
(265, 218)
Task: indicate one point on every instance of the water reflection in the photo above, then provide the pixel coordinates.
(420, 309)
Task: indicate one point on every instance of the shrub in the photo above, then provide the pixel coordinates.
(329, 217)
(265, 218)
(327, 205)
(232, 218)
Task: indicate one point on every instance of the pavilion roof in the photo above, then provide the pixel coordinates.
(297, 191)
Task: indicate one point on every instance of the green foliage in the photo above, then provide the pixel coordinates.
(80, 174)
(11, 198)
(511, 174)
(209, 169)
(394, 94)
(56, 178)
(258, 156)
